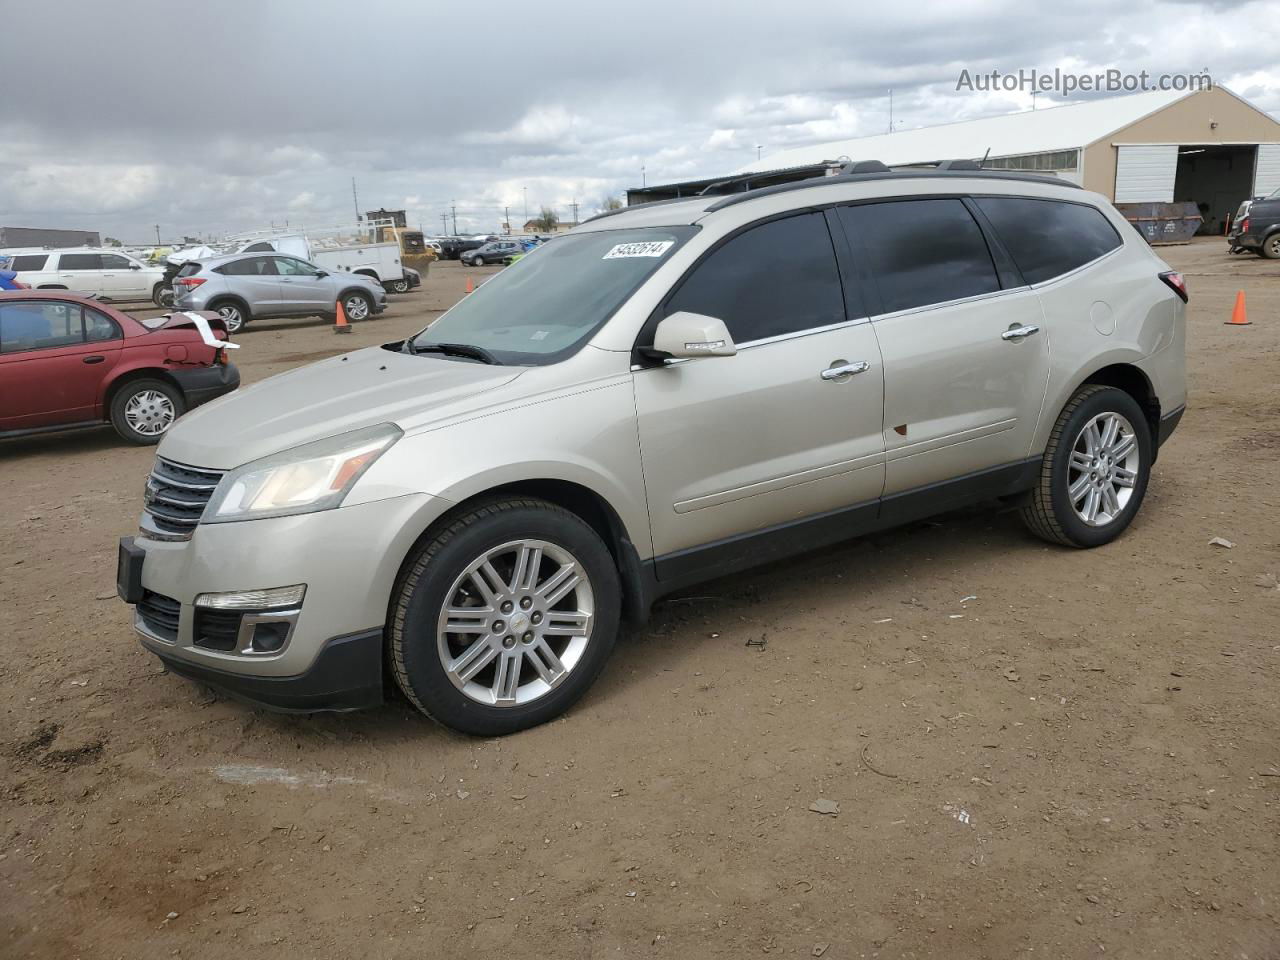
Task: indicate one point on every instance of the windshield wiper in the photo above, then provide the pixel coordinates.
(455, 350)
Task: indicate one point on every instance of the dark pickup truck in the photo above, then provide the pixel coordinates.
(451, 248)
(1259, 229)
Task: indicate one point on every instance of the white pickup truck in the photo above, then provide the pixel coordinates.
(353, 249)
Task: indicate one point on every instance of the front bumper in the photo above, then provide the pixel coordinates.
(348, 559)
(346, 675)
(202, 384)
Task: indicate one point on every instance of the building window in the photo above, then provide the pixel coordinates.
(1058, 160)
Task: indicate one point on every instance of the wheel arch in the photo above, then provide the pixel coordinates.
(583, 502)
(1133, 381)
(371, 274)
(125, 377)
(235, 298)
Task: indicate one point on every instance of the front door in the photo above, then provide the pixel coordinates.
(53, 357)
(120, 280)
(786, 430)
(302, 289)
(965, 358)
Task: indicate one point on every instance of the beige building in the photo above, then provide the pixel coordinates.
(1208, 147)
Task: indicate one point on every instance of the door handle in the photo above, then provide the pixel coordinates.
(95, 358)
(841, 369)
(1018, 332)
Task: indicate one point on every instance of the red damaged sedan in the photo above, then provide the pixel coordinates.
(69, 361)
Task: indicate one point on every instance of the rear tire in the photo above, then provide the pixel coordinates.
(162, 295)
(1092, 482)
(477, 261)
(232, 314)
(400, 286)
(1271, 247)
(521, 631)
(142, 411)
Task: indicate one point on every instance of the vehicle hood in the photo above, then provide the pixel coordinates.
(327, 398)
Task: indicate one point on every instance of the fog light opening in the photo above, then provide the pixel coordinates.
(270, 636)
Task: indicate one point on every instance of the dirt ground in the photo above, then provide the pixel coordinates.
(1034, 751)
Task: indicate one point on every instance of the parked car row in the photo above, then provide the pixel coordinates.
(105, 273)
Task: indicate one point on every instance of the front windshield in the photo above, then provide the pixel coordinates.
(546, 305)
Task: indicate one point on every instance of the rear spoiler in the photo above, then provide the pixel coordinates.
(209, 325)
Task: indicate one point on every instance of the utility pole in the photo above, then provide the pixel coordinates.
(506, 219)
(575, 209)
(157, 234)
(759, 147)
(643, 181)
(444, 224)
(454, 208)
(891, 109)
(526, 204)
(355, 199)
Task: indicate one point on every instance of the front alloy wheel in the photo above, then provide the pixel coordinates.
(1271, 247)
(232, 316)
(400, 286)
(505, 617)
(356, 307)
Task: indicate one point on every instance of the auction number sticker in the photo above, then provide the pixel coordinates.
(650, 248)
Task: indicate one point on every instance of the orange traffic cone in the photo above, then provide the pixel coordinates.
(340, 324)
(1238, 317)
(470, 285)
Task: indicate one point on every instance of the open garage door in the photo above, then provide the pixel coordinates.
(1266, 173)
(1145, 173)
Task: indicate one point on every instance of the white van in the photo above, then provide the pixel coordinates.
(105, 273)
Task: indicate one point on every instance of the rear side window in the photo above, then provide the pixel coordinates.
(249, 267)
(113, 261)
(80, 261)
(189, 269)
(776, 278)
(922, 251)
(99, 327)
(28, 261)
(258, 247)
(1048, 238)
(33, 325)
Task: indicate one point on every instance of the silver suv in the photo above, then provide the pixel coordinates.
(255, 286)
(671, 393)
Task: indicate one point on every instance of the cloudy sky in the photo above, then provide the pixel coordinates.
(230, 115)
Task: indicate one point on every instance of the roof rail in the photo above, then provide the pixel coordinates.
(629, 209)
(971, 173)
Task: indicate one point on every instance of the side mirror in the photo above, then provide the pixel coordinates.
(135, 266)
(685, 335)
(321, 274)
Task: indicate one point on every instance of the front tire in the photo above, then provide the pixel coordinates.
(142, 411)
(357, 306)
(477, 261)
(400, 286)
(505, 618)
(1095, 470)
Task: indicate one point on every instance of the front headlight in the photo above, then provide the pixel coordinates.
(315, 476)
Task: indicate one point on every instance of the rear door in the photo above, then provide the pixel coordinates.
(255, 279)
(773, 435)
(53, 358)
(82, 272)
(966, 364)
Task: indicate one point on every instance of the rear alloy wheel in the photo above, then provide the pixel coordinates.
(400, 286)
(231, 315)
(477, 261)
(1271, 247)
(1095, 470)
(506, 618)
(357, 306)
(142, 411)
(162, 295)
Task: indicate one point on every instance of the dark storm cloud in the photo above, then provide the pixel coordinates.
(230, 115)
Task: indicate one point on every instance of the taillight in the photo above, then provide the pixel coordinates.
(1176, 282)
(191, 282)
(1244, 225)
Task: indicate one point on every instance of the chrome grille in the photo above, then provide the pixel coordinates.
(175, 498)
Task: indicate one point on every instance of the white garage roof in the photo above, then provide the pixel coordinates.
(1033, 131)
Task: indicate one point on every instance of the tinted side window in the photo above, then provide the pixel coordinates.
(1048, 238)
(30, 261)
(289, 267)
(35, 326)
(922, 251)
(779, 277)
(80, 261)
(113, 261)
(249, 267)
(99, 327)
